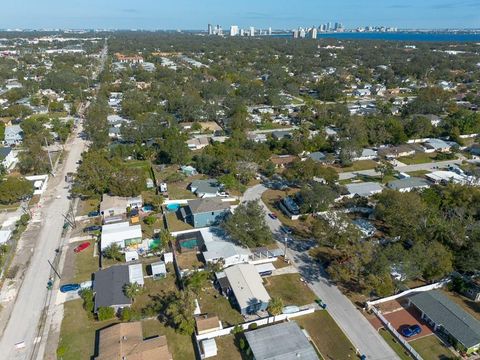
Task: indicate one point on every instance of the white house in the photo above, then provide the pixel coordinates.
(366, 154)
(362, 92)
(13, 135)
(121, 234)
(7, 157)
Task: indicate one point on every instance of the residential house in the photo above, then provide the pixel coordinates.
(448, 318)
(188, 170)
(108, 287)
(205, 212)
(444, 177)
(364, 189)
(7, 157)
(365, 227)
(117, 205)
(437, 145)
(280, 135)
(121, 234)
(255, 137)
(289, 207)
(286, 341)
(395, 152)
(318, 156)
(282, 161)
(362, 92)
(198, 143)
(114, 133)
(13, 135)
(125, 341)
(408, 184)
(207, 188)
(247, 287)
(366, 154)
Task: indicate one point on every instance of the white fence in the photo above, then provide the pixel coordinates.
(440, 284)
(395, 333)
(259, 322)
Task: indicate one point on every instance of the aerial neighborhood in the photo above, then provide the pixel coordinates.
(197, 195)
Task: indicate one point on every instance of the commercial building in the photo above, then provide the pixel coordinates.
(285, 341)
(447, 317)
(125, 341)
(247, 287)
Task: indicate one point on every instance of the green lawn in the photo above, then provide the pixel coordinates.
(145, 165)
(327, 336)
(180, 346)
(212, 302)
(395, 345)
(175, 224)
(290, 289)
(359, 166)
(431, 348)
(155, 287)
(418, 158)
(227, 349)
(419, 173)
(85, 263)
(85, 206)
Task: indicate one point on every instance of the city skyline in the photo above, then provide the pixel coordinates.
(189, 14)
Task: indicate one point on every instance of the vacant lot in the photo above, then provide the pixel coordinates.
(329, 338)
(290, 289)
(85, 262)
(431, 348)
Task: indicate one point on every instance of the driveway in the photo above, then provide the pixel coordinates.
(357, 328)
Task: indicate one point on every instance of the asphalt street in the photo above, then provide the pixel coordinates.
(357, 328)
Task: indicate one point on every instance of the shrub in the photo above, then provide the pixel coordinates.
(105, 313)
(129, 314)
(150, 220)
(252, 326)
(87, 297)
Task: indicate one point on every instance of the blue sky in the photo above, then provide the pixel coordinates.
(196, 14)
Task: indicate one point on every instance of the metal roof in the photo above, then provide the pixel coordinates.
(285, 341)
(364, 189)
(444, 312)
(135, 274)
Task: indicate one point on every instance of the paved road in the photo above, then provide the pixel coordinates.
(29, 304)
(407, 168)
(360, 332)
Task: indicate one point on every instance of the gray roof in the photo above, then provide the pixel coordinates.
(317, 156)
(4, 151)
(108, 286)
(285, 341)
(408, 183)
(364, 189)
(207, 205)
(442, 311)
(210, 186)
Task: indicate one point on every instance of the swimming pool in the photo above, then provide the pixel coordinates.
(173, 207)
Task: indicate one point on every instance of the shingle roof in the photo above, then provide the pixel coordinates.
(364, 189)
(284, 341)
(442, 311)
(108, 286)
(4, 151)
(210, 186)
(408, 183)
(207, 205)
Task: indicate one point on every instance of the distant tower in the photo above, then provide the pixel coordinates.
(295, 34)
(313, 33)
(210, 29)
(269, 31)
(302, 33)
(234, 31)
(252, 31)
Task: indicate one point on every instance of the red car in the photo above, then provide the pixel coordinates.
(81, 247)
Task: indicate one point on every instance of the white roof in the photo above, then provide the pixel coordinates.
(364, 188)
(246, 284)
(224, 250)
(446, 176)
(158, 268)
(209, 347)
(264, 267)
(5, 236)
(120, 232)
(135, 274)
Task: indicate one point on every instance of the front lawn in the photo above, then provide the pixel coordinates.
(327, 336)
(88, 205)
(85, 262)
(418, 158)
(359, 166)
(395, 345)
(211, 302)
(290, 289)
(431, 348)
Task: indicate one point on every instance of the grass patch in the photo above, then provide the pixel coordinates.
(155, 287)
(149, 230)
(85, 206)
(77, 335)
(290, 289)
(418, 158)
(175, 223)
(329, 338)
(180, 346)
(144, 165)
(359, 166)
(85, 263)
(419, 173)
(395, 345)
(211, 302)
(189, 260)
(431, 348)
(227, 349)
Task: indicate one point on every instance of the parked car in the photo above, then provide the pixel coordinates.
(286, 230)
(69, 288)
(81, 247)
(273, 216)
(92, 228)
(411, 330)
(93, 213)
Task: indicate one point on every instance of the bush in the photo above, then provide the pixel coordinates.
(87, 297)
(150, 220)
(129, 314)
(237, 329)
(105, 313)
(252, 326)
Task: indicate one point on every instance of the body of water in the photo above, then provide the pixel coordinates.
(399, 36)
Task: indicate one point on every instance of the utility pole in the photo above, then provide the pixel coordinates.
(53, 268)
(49, 157)
(285, 248)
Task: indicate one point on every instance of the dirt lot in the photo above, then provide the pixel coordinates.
(403, 318)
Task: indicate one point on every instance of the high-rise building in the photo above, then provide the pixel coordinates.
(210, 29)
(234, 31)
(242, 32)
(252, 31)
(329, 26)
(269, 31)
(302, 33)
(295, 34)
(323, 28)
(313, 33)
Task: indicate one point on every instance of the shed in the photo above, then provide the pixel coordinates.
(135, 274)
(265, 269)
(209, 347)
(168, 257)
(159, 270)
(131, 256)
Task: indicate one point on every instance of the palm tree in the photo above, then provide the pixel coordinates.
(132, 289)
(275, 306)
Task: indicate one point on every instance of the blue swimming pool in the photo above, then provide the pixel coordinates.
(147, 208)
(173, 207)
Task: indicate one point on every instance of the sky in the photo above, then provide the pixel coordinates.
(196, 14)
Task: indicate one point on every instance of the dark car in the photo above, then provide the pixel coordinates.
(92, 228)
(286, 230)
(81, 247)
(69, 287)
(93, 213)
(273, 215)
(411, 330)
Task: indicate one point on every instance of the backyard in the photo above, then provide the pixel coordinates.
(211, 302)
(431, 348)
(290, 289)
(327, 336)
(175, 223)
(227, 349)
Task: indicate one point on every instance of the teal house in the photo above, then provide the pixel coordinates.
(205, 212)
